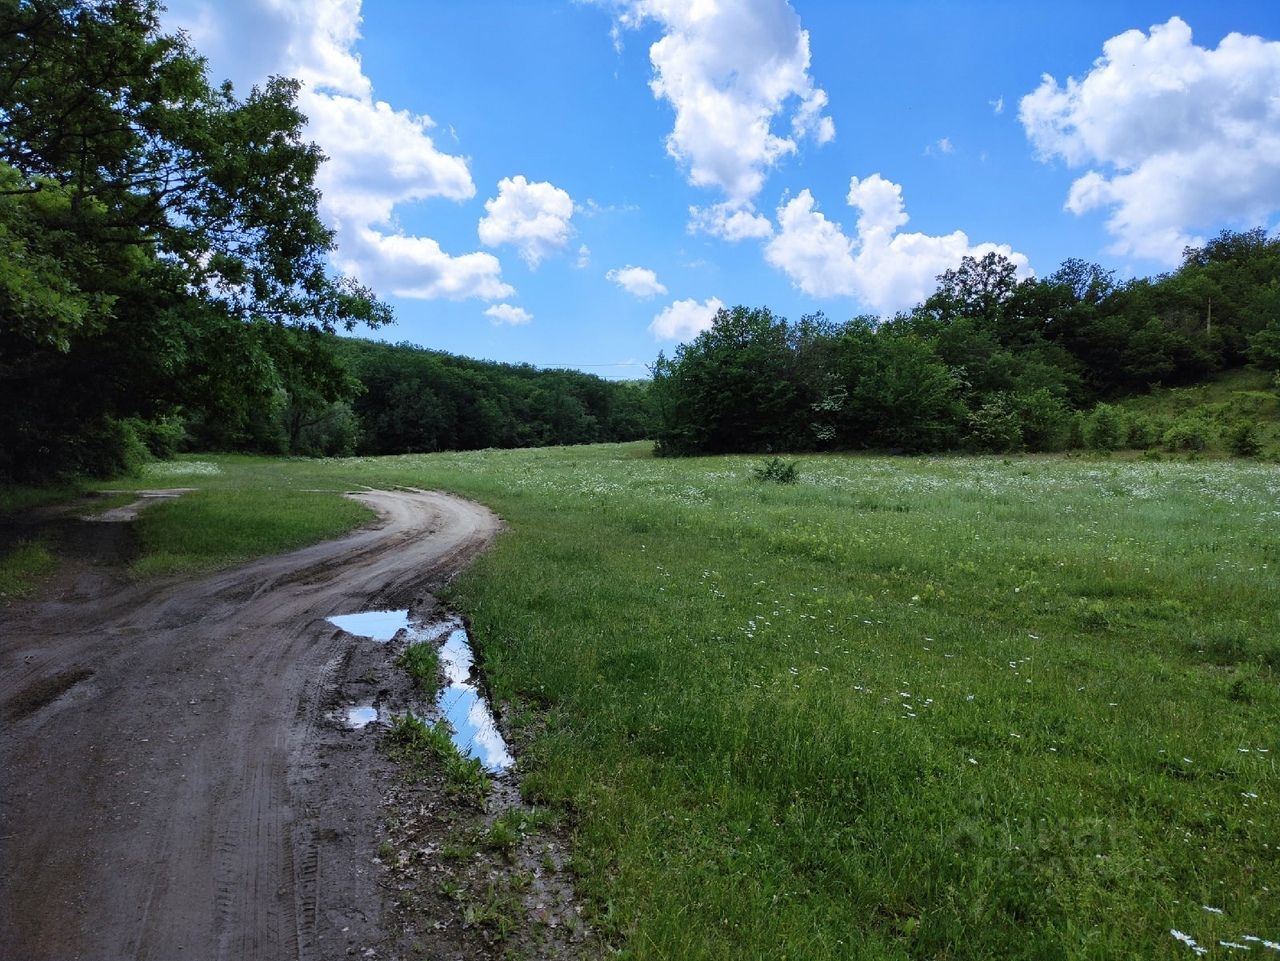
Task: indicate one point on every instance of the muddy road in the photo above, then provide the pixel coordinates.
(151, 804)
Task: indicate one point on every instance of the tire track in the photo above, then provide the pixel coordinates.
(151, 813)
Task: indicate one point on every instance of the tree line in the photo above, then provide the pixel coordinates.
(379, 398)
(988, 362)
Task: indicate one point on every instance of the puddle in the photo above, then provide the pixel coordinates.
(361, 716)
(462, 704)
(379, 626)
(130, 511)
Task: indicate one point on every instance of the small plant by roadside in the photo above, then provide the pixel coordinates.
(22, 568)
(465, 775)
(413, 742)
(506, 831)
(777, 470)
(422, 663)
(411, 735)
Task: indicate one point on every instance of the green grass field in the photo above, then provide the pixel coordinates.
(904, 708)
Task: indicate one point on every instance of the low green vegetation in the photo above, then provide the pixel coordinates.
(421, 662)
(968, 707)
(17, 498)
(204, 530)
(509, 828)
(417, 745)
(22, 567)
(777, 470)
(1234, 414)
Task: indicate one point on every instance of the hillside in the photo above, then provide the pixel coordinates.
(1223, 403)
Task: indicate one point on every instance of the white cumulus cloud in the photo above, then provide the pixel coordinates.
(416, 267)
(637, 281)
(885, 269)
(534, 217)
(379, 157)
(730, 221)
(685, 319)
(508, 314)
(736, 72)
(1177, 138)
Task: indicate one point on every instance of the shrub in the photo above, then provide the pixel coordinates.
(1046, 420)
(162, 436)
(1104, 428)
(1073, 433)
(111, 449)
(1242, 439)
(1141, 431)
(1190, 432)
(777, 470)
(995, 426)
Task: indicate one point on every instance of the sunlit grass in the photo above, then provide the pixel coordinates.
(903, 708)
(204, 529)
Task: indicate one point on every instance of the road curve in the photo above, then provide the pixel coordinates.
(146, 808)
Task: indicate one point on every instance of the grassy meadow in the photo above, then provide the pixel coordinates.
(903, 708)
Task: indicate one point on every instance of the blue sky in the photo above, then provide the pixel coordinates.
(568, 141)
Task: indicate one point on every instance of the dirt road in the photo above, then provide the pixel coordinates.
(150, 800)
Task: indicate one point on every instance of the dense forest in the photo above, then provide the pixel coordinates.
(988, 362)
(376, 398)
(419, 400)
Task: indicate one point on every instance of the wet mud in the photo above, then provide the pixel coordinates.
(462, 874)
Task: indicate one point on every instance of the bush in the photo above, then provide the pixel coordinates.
(1073, 432)
(777, 470)
(1046, 420)
(1104, 428)
(995, 427)
(112, 449)
(1190, 432)
(1242, 439)
(162, 436)
(1141, 431)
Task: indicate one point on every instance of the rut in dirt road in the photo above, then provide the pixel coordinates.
(149, 737)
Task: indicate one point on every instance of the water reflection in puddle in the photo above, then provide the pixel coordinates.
(360, 716)
(461, 704)
(379, 626)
